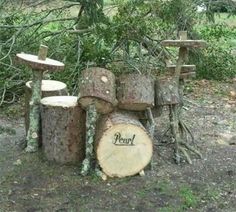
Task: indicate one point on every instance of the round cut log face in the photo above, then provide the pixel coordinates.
(124, 150)
(36, 64)
(49, 85)
(60, 101)
(135, 92)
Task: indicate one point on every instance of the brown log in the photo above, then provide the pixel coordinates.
(135, 92)
(167, 91)
(98, 87)
(48, 88)
(123, 146)
(63, 129)
(185, 43)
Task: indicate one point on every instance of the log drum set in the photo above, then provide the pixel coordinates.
(104, 123)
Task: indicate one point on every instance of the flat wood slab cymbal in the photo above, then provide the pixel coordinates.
(184, 68)
(185, 43)
(37, 64)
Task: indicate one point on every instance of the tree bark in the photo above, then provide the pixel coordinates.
(91, 119)
(167, 91)
(135, 92)
(98, 87)
(32, 138)
(63, 129)
(123, 146)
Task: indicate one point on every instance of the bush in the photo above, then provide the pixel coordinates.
(216, 61)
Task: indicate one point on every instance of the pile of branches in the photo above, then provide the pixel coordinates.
(122, 36)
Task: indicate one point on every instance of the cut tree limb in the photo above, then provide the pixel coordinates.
(91, 119)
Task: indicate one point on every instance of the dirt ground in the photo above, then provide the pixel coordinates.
(28, 182)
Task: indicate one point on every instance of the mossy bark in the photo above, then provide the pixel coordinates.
(32, 138)
(91, 119)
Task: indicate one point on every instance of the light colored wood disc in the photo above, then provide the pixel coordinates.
(60, 101)
(49, 85)
(36, 64)
(124, 150)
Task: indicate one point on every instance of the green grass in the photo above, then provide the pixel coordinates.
(189, 199)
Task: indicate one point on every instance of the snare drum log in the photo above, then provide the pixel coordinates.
(63, 129)
(135, 92)
(123, 146)
(48, 88)
(97, 87)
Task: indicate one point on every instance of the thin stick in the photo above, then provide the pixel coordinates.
(91, 118)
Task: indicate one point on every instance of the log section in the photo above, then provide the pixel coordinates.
(135, 92)
(63, 129)
(123, 146)
(98, 87)
(167, 91)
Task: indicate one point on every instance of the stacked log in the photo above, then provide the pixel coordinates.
(167, 91)
(123, 146)
(63, 129)
(135, 92)
(97, 87)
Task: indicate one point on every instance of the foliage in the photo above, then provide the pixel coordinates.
(126, 41)
(216, 61)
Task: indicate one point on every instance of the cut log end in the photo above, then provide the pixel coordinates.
(124, 150)
(35, 63)
(60, 101)
(49, 85)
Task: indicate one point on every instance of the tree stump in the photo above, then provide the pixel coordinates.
(98, 87)
(63, 129)
(123, 146)
(48, 88)
(135, 92)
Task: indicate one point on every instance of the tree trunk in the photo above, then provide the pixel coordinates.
(135, 92)
(123, 146)
(98, 87)
(63, 129)
(48, 88)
